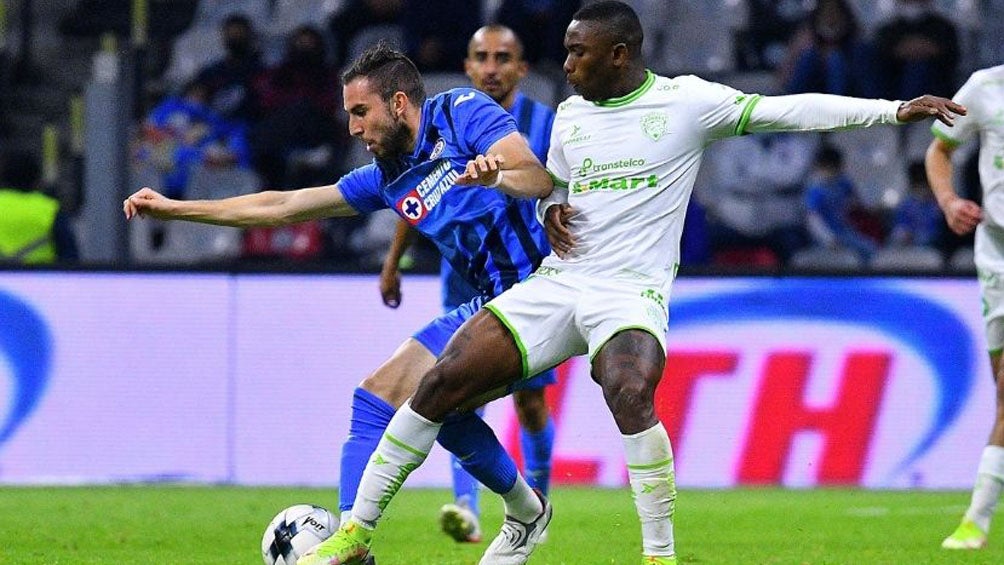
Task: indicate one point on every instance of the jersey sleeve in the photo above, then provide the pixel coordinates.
(557, 165)
(722, 110)
(965, 126)
(478, 120)
(361, 188)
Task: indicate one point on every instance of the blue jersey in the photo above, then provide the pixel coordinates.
(491, 239)
(534, 121)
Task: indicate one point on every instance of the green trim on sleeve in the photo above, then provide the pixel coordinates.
(557, 181)
(515, 336)
(996, 351)
(744, 119)
(619, 330)
(949, 140)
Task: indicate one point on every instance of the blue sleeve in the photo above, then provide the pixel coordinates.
(361, 188)
(479, 121)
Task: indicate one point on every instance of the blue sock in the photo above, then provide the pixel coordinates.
(474, 443)
(537, 456)
(466, 489)
(370, 416)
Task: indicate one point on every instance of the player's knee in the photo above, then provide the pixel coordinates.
(393, 386)
(628, 396)
(529, 401)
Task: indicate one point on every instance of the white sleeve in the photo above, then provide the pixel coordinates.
(557, 167)
(814, 112)
(965, 126)
(558, 196)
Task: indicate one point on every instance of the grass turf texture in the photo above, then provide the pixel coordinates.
(223, 525)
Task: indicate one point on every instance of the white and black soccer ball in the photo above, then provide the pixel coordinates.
(295, 530)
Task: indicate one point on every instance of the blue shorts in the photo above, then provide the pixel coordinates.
(436, 333)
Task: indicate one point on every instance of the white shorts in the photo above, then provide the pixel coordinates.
(556, 315)
(989, 255)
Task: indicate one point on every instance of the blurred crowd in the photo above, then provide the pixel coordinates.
(245, 95)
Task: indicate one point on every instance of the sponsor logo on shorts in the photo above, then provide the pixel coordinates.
(546, 271)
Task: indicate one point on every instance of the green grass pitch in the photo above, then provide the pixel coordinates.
(223, 525)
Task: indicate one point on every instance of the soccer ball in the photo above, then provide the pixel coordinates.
(295, 530)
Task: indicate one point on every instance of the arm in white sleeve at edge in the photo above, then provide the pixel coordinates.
(815, 112)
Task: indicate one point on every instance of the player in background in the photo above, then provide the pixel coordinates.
(435, 159)
(627, 151)
(495, 66)
(983, 94)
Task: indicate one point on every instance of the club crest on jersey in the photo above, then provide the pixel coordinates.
(654, 125)
(412, 208)
(437, 149)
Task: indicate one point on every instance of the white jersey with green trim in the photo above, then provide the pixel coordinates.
(983, 96)
(629, 164)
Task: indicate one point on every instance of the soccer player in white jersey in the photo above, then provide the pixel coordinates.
(627, 149)
(983, 95)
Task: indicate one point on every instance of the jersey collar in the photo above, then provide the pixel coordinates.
(631, 96)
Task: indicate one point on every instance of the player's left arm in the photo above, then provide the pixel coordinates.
(510, 166)
(825, 112)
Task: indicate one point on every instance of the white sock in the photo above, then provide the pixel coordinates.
(989, 482)
(521, 502)
(653, 487)
(403, 447)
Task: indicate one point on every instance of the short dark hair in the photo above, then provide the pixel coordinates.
(389, 71)
(499, 28)
(20, 170)
(618, 19)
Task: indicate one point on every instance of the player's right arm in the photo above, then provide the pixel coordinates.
(962, 215)
(262, 209)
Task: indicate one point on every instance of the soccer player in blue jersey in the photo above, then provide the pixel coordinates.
(437, 161)
(495, 66)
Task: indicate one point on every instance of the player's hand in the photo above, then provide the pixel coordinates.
(485, 170)
(556, 221)
(962, 215)
(390, 287)
(928, 106)
(147, 202)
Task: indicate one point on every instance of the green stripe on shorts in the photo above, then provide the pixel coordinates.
(619, 330)
(515, 336)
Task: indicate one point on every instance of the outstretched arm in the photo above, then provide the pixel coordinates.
(823, 112)
(510, 166)
(268, 208)
(961, 215)
(390, 274)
